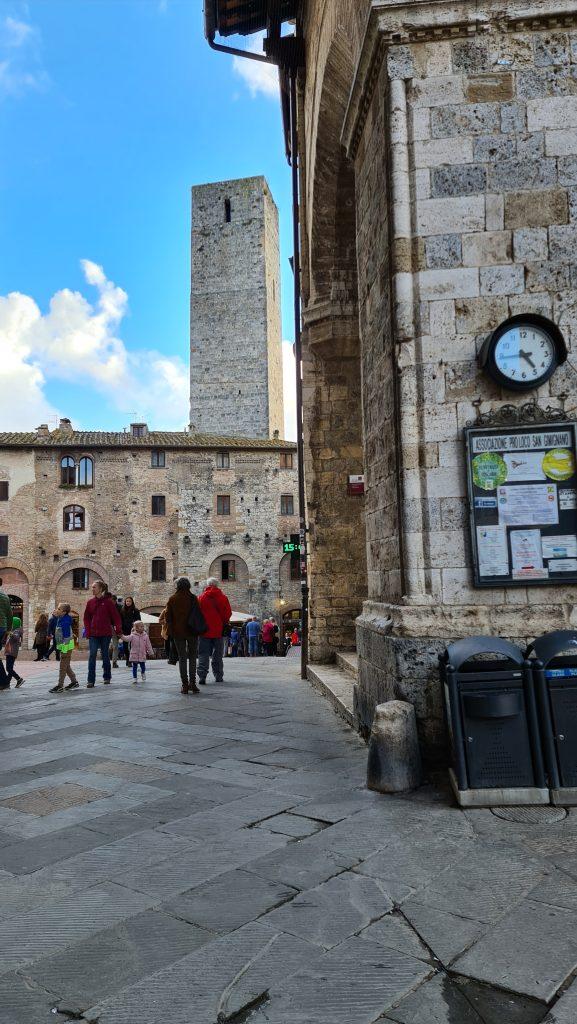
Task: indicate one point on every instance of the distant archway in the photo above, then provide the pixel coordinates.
(232, 573)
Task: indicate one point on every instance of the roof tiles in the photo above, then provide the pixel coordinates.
(153, 439)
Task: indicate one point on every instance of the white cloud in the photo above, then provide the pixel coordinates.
(290, 400)
(21, 68)
(258, 76)
(76, 341)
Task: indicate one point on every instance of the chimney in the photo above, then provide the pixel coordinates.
(276, 435)
(42, 430)
(138, 429)
(65, 425)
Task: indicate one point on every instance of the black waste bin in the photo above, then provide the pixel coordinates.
(491, 716)
(553, 659)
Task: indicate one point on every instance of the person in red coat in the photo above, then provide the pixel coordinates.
(101, 621)
(216, 609)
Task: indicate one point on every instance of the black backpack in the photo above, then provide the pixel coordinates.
(196, 622)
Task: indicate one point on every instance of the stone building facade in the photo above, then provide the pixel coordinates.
(138, 509)
(236, 377)
(438, 150)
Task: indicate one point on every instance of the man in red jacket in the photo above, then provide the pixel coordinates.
(101, 621)
(217, 612)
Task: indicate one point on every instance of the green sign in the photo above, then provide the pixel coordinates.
(290, 548)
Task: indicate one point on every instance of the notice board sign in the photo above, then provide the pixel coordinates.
(522, 484)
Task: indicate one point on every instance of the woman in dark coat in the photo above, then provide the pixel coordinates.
(41, 641)
(129, 614)
(178, 611)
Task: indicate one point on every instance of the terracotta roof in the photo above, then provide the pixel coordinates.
(153, 439)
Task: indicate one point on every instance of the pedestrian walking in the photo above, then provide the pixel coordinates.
(268, 636)
(164, 633)
(41, 642)
(140, 648)
(12, 648)
(275, 637)
(183, 625)
(234, 642)
(253, 633)
(216, 609)
(129, 614)
(65, 644)
(5, 614)
(51, 638)
(101, 621)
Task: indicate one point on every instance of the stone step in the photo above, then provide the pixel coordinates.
(337, 686)
(348, 661)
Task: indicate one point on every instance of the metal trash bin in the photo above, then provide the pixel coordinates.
(553, 659)
(491, 715)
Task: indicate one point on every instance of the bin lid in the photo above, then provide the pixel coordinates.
(471, 646)
(551, 645)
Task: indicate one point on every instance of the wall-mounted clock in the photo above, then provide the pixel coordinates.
(523, 352)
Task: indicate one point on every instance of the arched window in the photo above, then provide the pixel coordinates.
(158, 570)
(67, 471)
(73, 518)
(85, 472)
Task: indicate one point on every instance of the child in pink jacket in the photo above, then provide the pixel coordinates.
(140, 649)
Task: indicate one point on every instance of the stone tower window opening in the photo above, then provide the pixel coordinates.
(86, 472)
(158, 459)
(287, 505)
(223, 460)
(80, 579)
(3, 544)
(228, 569)
(158, 574)
(227, 211)
(73, 518)
(67, 471)
(3, 490)
(158, 505)
(223, 504)
(286, 460)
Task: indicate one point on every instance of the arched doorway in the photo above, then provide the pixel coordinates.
(232, 573)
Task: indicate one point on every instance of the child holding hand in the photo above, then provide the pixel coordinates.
(140, 649)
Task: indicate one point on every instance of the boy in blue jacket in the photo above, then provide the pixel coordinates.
(64, 642)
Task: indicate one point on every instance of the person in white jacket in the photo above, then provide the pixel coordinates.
(140, 650)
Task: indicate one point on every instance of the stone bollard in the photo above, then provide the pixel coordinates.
(394, 762)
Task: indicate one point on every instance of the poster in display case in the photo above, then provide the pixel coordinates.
(522, 484)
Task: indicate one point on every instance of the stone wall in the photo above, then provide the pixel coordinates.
(235, 336)
(121, 536)
(461, 127)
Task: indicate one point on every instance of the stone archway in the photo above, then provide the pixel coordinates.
(238, 589)
(63, 589)
(332, 371)
(15, 582)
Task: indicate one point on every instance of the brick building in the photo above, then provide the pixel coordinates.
(137, 509)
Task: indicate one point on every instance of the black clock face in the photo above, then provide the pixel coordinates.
(523, 352)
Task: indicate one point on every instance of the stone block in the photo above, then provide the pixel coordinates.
(537, 209)
(442, 317)
(521, 173)
(567, 166)
(530, 244)
(461, 180)
(561, 142)
(531, 302)
(440, 422)
(443, 251)
(536, 83)
(437, 92)
(547, 277)
(531, 144)
(493, 147)
(479, 315)
(465, 119)
(563, 242)
(400, 62)
(394, 759)
(490, 88)
(433, 152)
(470, 55)
(420, 119)
(513, 118)
(494, 212)
(442, 216)
(502, 280)
(552, 112)
(551, 48)
(448, 284)
(487, 248)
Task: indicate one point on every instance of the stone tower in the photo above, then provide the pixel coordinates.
(235, 326)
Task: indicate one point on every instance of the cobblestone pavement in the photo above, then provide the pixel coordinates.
(197, 860)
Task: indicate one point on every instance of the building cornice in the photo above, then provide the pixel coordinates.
(394, 22)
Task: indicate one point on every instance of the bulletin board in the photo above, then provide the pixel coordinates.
(522, 484)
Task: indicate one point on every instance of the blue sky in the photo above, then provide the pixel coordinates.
(109, 111)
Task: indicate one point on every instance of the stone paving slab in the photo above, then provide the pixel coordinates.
(230, 901)
(446, 935)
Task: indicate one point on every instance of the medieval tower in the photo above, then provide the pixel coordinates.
(235, 325)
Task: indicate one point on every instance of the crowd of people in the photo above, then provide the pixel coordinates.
(196, 631)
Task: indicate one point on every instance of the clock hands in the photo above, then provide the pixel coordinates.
(527, 357)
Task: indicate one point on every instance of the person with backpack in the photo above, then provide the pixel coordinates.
(184, 622)
(216, 609)
(65, 644)
(12, 648)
